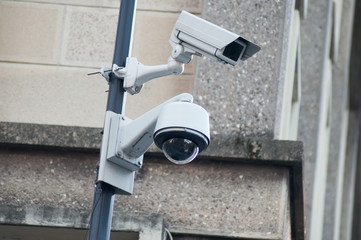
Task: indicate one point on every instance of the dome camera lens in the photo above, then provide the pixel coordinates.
(180, 150)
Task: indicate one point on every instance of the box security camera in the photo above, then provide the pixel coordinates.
(190, 36)
(201, 37)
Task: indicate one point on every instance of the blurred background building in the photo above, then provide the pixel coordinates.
(284, 156)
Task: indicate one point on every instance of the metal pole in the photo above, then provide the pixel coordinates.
(121, 52)
(101, 220)
(100, 223)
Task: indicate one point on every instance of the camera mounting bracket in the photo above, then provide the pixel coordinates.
(129, 139)
(135, 74)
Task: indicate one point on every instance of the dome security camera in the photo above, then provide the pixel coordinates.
(178, 127)
(182, 131)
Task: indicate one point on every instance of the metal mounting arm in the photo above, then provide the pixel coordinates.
(135, 74)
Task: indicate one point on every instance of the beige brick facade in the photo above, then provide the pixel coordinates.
(47, 48)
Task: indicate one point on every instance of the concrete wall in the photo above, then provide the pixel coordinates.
(236, 198)
(243, 99)
(325, 58)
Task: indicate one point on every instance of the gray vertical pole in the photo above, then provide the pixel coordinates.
(121, 52)
(100, 223)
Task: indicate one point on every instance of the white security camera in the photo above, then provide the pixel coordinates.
(182, 131)
(191, 35)
(201, 37)
(179, 127)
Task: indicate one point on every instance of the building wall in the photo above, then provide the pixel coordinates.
(207, 197)
(324, 115)
(66, 40)
(278, 120)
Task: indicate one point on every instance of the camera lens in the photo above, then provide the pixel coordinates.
(180, 150)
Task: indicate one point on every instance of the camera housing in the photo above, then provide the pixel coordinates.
(190, 36)
(200, 37)
(182, 131)
(178, 127)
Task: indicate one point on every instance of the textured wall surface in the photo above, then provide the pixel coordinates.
(242, 99)
(339, 114)
(229, 198)
(313, 38)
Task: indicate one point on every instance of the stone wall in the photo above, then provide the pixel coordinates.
(239, 197)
